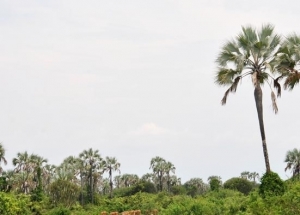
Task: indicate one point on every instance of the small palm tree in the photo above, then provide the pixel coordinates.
(292, 159)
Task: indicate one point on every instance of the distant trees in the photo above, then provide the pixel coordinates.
(162, 170)
(250, 175)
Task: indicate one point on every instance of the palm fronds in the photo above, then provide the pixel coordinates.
(274, 104)
(232, 89)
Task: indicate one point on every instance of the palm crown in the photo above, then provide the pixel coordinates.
(251, 53)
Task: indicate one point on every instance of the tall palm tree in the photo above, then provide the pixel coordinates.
(292, 159)
(111, 164)
(253, 53)
(2, 158)
(91, 160)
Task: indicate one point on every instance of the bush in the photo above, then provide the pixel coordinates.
(271, 185)
(14, 205)
(239, 184)
(60, 211)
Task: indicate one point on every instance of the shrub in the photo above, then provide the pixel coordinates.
(271, 185)
(239, 184)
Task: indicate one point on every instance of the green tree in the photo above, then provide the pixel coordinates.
(240, 184)
(64, 192)
(292, 159)
(195, 186)
(252, 52)
(215, 182)
(111, 164)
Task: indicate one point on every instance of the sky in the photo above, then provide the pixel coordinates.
(135, 80)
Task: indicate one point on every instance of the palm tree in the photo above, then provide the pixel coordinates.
(251, 53)
(2, 158)
(39, 168)
(157, 164)
(292, 159)
(92, 160)
(23, 166)
(169, 167)
(109, 165)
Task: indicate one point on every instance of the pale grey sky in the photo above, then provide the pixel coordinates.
(135, 80)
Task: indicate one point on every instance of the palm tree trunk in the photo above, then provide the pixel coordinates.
(81, 184)
(259, 107)
(110, 183)
(91, 185)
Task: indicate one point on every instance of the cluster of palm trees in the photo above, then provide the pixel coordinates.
(86, 170)
(250, 175)
(163, 171)
(265, 56)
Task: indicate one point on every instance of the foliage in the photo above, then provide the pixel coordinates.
(14, 204)
(60, 211)
(271, 184)
(240, 184)
(215, 183)
(64, 193)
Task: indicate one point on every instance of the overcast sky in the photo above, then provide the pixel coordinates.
(135, 80)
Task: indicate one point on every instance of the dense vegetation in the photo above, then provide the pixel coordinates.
(77, 186)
